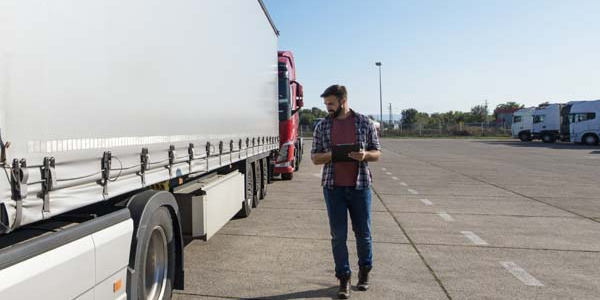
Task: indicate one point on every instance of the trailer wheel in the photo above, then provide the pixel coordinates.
(548, 138)
(154, 263)
(157, 264)
(525, 136)
(590, 139)
(287, 176)
(248, 202)
(256, 186)
(156, 257)
(264, 170)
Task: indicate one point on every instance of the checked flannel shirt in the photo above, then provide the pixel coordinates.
(365, 134)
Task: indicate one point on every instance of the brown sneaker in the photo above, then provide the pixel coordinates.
(363, 278)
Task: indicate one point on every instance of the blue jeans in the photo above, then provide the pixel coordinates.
(340, 201)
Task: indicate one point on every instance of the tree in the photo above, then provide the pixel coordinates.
(409, 116)
(306, 117)
(317, 113)
(509, 106)
(478, 113)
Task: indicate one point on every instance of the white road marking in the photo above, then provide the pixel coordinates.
(446, 216)
(413, 192)
(383, 169)
(592, 157)
(520, 273)
(317, 175)
(403, 184)
(474, 238)
(388, 173)
(395, 178)
(426, 202)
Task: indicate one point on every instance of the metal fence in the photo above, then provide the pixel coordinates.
(438, 130)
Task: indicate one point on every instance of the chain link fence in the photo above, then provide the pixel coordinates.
(437, 130)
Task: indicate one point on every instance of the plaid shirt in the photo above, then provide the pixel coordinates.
(366, 135)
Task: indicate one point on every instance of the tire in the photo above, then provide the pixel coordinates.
(264, 170)
(248, 202)
(524, 137)
(297, 161)
(548, 138)
(256, 186)
(155, 267)
(590, 139)
(270, 167)
(287, 176)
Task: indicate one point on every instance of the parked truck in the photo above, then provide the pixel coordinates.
(584, 122)
(291, 144)
(125, 126)
(547, 122)
(522, 124)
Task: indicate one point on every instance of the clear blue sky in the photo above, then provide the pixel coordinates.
(443, 55)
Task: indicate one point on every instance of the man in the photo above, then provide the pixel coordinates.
(346, 185)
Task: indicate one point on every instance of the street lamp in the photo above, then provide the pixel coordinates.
(378, 64)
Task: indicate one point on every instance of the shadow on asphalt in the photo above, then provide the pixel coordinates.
(536, 144)
(320, 293)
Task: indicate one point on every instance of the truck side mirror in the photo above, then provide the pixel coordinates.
(299, 94)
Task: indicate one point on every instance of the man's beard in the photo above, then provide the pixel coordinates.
(336, 113)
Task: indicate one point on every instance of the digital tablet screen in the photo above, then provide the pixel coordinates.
(340, 152)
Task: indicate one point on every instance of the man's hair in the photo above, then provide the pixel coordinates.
(339, 91)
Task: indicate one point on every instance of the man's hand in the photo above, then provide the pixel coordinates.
(360, 156)
(321, 158)
(363, 155)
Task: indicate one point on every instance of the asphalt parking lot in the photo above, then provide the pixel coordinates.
(452, 219)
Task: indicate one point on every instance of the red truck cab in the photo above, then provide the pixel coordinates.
(290, 101)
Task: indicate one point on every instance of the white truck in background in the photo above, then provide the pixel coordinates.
(522, 124)
(125, 125)
(584, 122)
(546, 122)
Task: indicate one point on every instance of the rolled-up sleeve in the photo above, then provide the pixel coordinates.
(317, 144)
(372, 138)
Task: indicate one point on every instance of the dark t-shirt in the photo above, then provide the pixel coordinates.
(344, 132)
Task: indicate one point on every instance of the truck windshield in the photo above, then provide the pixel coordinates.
(516, 119)
(580, 117)
(538, 119)
(285, 108)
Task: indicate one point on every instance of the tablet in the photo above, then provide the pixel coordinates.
(340, 152)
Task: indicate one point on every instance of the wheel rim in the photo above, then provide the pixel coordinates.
(590, 140)
(156, 264)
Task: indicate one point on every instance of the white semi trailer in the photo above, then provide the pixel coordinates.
(124, 126)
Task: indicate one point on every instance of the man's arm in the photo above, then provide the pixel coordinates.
(320, 158)
(372, 155)
(317, 153)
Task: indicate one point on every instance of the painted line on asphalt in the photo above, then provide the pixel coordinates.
(388, 173)
(317, 175)
(426, 202)
(592, 157)
(395, 178)
(475, 239)
(520, 273)
(446, 216)
(413, 192)
(403, 183)
(383, 169)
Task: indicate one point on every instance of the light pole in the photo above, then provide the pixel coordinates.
(378, 64)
